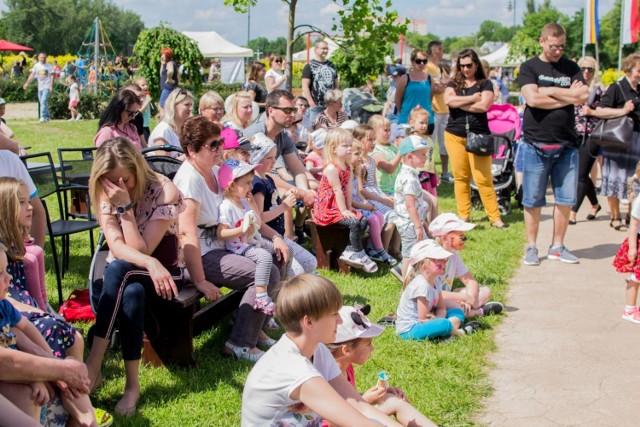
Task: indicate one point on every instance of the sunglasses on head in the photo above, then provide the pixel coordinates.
(132, 114)
(279, 61)
(469, 66)
(215, 144)
(421, 61)
(178, 93)
(286, 110)
(589, 69)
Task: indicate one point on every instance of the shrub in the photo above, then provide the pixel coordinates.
(11, 90)
(90, 106)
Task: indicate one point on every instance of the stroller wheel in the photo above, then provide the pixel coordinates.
(504, 205)
(476, 203)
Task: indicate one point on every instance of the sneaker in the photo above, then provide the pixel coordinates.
(531, 257)
(271, 325)
(562, 253)
(397, 271)
(376, 254)
(265, 305)
(79, 117)
(447, 177)
(42, 121)
(631, 315)
(71, 119)
(492, 307)
(389, 259)
(471, 327)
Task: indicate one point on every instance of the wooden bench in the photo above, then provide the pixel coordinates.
(329, 243)
(170, 326)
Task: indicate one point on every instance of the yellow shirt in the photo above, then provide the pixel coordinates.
(437, 101)
(430, 163)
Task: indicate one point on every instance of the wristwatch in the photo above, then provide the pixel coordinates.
(122, 209)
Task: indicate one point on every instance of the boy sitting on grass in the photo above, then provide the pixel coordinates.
(297, 382)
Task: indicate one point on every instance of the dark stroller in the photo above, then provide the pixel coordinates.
(361, 105)
(504, 123)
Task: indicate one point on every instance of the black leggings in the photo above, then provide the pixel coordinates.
(587, 157)
(357, 228)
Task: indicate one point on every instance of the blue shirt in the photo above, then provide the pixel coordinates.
(9, 317)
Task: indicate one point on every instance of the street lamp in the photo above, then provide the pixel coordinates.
(512, 7)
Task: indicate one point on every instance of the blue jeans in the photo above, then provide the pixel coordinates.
(561, 165)
(312, 113)
(433, 328)
(124, 291)
(43, 99)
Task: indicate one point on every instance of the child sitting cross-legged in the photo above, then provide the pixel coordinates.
(422, 312)
(297, 382)
(353, 345)
(449, 231)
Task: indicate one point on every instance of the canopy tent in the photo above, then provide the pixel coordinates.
(500, 58)
(7, 45)
(302, 55)
(213, 45)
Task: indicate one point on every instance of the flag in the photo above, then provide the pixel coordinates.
(591, 29)
(630, 22)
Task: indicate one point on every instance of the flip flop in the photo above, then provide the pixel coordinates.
(387, 321)
(103, 418)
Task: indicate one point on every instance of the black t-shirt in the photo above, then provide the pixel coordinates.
(323, 76)
(138, 122)
(555, 126)
(267, 187)
(618, 94)
(478, 122)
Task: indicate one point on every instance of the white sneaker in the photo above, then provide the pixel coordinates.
(79, 117)
(71, 119)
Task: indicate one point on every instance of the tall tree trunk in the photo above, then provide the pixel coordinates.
(292, 25)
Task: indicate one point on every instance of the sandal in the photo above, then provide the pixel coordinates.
(241, 353)
(618, 227)
(499, 224)
(103, 418)
(387, 321)
(351, 258)
(471, 327)
(268, 342)
(369, 266)
(592, 216)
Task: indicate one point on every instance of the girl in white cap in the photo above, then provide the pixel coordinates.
(354, 344)
(450, 231)
(422, 312)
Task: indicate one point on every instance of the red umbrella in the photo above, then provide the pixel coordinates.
(5, 45)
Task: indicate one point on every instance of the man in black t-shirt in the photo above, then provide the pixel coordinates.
(551, 86)
(318, 77)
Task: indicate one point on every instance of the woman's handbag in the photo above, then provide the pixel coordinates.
(614, 134)
(167, 251)
(480, 145)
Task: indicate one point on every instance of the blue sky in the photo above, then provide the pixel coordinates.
(269, 17)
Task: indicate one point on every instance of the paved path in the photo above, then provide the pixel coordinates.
(564, 355)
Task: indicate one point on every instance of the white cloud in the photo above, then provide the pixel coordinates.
(330, 9)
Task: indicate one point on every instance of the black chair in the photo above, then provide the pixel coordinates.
(46, 181)
(75, 168)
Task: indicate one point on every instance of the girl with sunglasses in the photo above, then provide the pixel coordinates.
(449, 231)
(275, 78)
(117, 119)
(414, 89)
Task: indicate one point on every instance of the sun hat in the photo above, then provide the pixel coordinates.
(355, 325)
(399, 131)
(317, 138)
(261, 145)
(349, 125)
(235, 139)
(233, 169)
(412, 143)
(447, 222)
(427, 248)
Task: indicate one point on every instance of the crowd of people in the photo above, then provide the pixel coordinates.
(234, 216)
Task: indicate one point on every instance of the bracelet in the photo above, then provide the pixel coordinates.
(275, 236)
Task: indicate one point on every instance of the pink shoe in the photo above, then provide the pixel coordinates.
(265, 305)
(632, 315)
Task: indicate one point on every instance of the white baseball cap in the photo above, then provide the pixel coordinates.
(355, 325)
(447, 222)
(427, 248)
(349, 125)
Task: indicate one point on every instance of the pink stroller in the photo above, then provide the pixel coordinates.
(504, 123)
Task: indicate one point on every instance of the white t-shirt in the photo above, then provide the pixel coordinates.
(635, 209)
(455, 268)
(276, 76)
(74, 92)
(193, 186)
(408, 307)
(43, 74)
(164, 131)
(11, 165)
(231, 216)
(265, 399)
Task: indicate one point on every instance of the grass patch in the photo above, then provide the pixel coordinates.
(446, 381)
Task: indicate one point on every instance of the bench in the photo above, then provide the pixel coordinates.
(170, 326)
(329, 243)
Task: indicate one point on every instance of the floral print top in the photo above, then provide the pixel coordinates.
(588, 122)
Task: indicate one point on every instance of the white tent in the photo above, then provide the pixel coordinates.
(213, 45)
(500, 58)
(302, 55)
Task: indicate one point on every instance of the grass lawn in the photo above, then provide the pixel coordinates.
(446, 381)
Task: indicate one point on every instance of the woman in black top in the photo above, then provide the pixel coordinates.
(620, 99)
(469, 95)
(255, 89)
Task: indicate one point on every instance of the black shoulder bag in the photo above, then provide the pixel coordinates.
(478, 144)
(614, 134)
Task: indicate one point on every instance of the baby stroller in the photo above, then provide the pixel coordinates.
(504, 123)
(361, 105)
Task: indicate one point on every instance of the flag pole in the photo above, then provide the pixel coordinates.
(621, 30)
(584, 34)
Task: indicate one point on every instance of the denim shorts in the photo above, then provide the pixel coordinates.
(540, 165)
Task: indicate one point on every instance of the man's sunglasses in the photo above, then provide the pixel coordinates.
(286, 110)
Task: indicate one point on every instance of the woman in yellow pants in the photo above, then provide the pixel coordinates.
(469, 95)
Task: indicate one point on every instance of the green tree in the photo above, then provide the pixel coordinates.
(420, 41)
(147, 51)
(493, 31)
(369, 29)
(260, 44)
(525, 42)
(59, 26)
